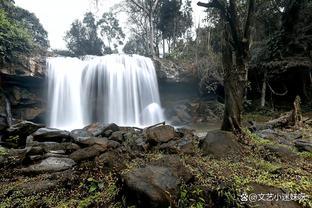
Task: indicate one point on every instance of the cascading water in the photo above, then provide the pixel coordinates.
(115, 88)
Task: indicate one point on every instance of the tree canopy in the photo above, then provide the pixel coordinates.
(20, 33)
(89, 36)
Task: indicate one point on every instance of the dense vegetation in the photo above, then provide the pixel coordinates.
(247, 47)
(20, 33)
(83, 37)
(255, 56)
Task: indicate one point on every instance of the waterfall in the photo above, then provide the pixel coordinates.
(8, 111)
(115, 88)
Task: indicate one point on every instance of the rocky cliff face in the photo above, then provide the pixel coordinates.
(171, 72)
(22, 86)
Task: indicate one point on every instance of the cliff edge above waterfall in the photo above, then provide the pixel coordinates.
(172, 72)
(22, 84)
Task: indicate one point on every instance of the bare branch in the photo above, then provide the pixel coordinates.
(155, 5)
(212, 4)
(250, 14)
(139, 6)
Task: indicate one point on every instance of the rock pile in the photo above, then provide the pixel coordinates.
(42, 150)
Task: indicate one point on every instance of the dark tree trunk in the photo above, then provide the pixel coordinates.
(234, 87)
(235, 45)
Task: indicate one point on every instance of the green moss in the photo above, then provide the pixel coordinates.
(307, 155)
(3, 151)
(255, 138)
(259, 117)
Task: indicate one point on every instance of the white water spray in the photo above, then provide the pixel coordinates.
(116, 88)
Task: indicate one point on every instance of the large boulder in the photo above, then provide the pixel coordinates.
(99, 129)
(16, 135)
(279, 136)
(51, 135)
(88, 152)
(118, 136)
(220, 144)
(304, 145)
(175, 164)
(55, 146)
(183, 145)
(282, 152)
(101, 141)
(160, 134)
(112, 160)
(151, 186)
(89, 141)
(80, 133)
(51, 164)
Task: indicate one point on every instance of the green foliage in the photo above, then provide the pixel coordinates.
(136, 45)
(13, 138)
(83, 37)
(255, 138)
(14, 39)
(20, 33)
(3, 151)
(191, 197)
(307, 155)
(174, 18)
(110, 30)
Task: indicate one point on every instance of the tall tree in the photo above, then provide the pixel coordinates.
(82, 38)
(136, 45)
(235, 56)
(175, 19)
(148, 9)
(110, 30)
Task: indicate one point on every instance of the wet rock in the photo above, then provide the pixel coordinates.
(118, 136)
(113, 127)
(51, 154)
(51, 164)
(108, 133)
(183, 145)
(99, 129)
(182, 132)
(104, 142)
(56, 153)
(304, 145)
(80, 133)
(281, 137)
(16, 135)
(111, 160)
(89, 141)
(281, 151)
(141, 145)
(151, 186)
(51, 135)
(88, 152)
(35, 158)
(220, 144)
(36, 150)
(160, 134)
(54, 146)
(175, 164)
(112, 144)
